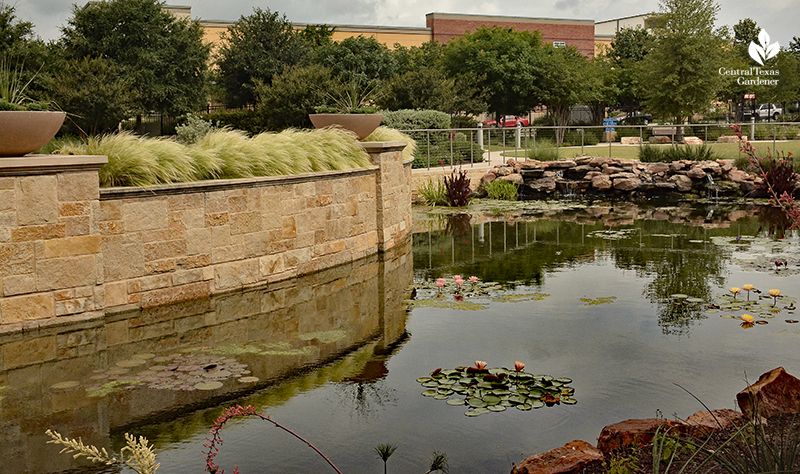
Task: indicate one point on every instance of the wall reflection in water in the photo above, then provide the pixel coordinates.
(93, 379)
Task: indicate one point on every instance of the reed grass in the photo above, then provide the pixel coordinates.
(224, 153)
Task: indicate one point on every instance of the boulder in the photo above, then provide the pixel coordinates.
(577, 172)
(532, 173)
(696, 172)
(598, 161)
(692, 141)
(515, 178)
(730, 139)
(583, 160)
(627, 184)
(504, 171)
(622, 175)
(532, 165)
(631, 140)
(572, 458)
(560, 164)
(706, 422)
(601, 182)
(738, 176)
(682, 183)
(676, 166)
(659, 139)
(725, 165)
(711, 167)
(774, 393)
(635, 432)
(543, 185)
(488, 178)
(657, 168)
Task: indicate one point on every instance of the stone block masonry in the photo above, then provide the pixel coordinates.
(69, 248)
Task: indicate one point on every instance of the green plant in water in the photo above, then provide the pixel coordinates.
(501, 189)
(384, 452)
(433, 193)
(439, 463)
(137, 454)
(458, 189)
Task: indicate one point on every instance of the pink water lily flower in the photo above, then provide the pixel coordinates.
(473, 279)
(519, 366)
(459, 281)
(480, 365)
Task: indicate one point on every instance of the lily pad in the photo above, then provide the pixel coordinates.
(496, 408)
(456, 401)
(429, 393)
(65, 385)
(248, 379)
(212, 385)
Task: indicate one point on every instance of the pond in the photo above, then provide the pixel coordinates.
(630, 302)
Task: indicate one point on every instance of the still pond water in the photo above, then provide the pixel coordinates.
(585, 292)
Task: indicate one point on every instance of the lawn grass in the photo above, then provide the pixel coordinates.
(722, 150)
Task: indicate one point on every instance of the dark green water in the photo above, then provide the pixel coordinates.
(585, 293)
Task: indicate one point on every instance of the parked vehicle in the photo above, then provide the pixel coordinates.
(763, 112)
(635, 118)
(508, 121)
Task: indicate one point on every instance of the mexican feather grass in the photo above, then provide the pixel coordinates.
(226, 154)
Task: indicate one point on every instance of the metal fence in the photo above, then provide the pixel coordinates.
(470, 146)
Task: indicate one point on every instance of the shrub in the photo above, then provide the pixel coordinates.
(668, 154)
(193, 130)
(501, 189)
(408, 119)
(386, 134)
(434, 193)
(458, 188)
(779, 174)
(463, 121)
(245, 120)
(591, 136)
(545, 150)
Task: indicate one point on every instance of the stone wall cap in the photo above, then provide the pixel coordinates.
(48, 164)
(383, 146)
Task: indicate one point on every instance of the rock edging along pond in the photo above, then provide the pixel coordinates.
(776, 393)
(625, 177)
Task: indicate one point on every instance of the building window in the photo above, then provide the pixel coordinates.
(559, 44)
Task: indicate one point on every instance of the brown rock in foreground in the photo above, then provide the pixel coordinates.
(775, 393)
(706, 422)
(638, 432)
(572, 458)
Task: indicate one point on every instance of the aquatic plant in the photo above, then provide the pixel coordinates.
(439, 463)
(384, 452)
(458, 189)
(491, 390)
(735, 290)
(774, 294)
(137, 454)
(433, 193)
(501, 189)
(748, 287)
(239, 411)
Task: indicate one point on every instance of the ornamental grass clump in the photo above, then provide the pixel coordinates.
(223, 154)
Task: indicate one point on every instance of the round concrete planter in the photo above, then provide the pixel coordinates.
(22, 132)
(360, 124)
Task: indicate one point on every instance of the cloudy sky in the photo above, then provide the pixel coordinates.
(780, 18)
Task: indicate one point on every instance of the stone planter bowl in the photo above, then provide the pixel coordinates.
(360, 124)
(22, 132)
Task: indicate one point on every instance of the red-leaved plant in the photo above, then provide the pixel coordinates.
(215, 440)
(778, 176)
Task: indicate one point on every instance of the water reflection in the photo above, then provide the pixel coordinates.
(670, 246)
(100, 378)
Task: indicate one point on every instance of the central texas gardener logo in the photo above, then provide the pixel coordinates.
(764, 51)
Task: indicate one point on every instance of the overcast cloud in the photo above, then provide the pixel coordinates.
(780, 18)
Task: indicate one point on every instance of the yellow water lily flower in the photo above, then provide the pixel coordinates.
(735, 290)
(774, 293)
(747, 318)
(748, 287)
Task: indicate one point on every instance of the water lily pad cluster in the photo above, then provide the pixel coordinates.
(188, 372)
(748, 304)
(600, 300)
(465, 294)
(496, 389)
(619, 234)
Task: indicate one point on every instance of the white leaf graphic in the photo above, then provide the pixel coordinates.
(764, 51)
(763, 38)
(756, 52)
(772, 51)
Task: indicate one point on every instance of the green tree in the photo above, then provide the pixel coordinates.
(359, 58)
(681, 70)
(501, 64)
(14, 34)
(628, 48)
(96, 93)
(425, 88)
(256, 48)
(162, 55)
(23, 50)
(293, 95)
(569, 80)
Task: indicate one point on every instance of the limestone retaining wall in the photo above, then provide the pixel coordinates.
(68, 248)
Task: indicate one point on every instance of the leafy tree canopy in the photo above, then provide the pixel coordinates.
(504, 64)
(14, 34)
(681, 70)
(258, 47)
(358, 58)
(164, 55)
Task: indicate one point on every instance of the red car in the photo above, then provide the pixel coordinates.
(509, 121)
